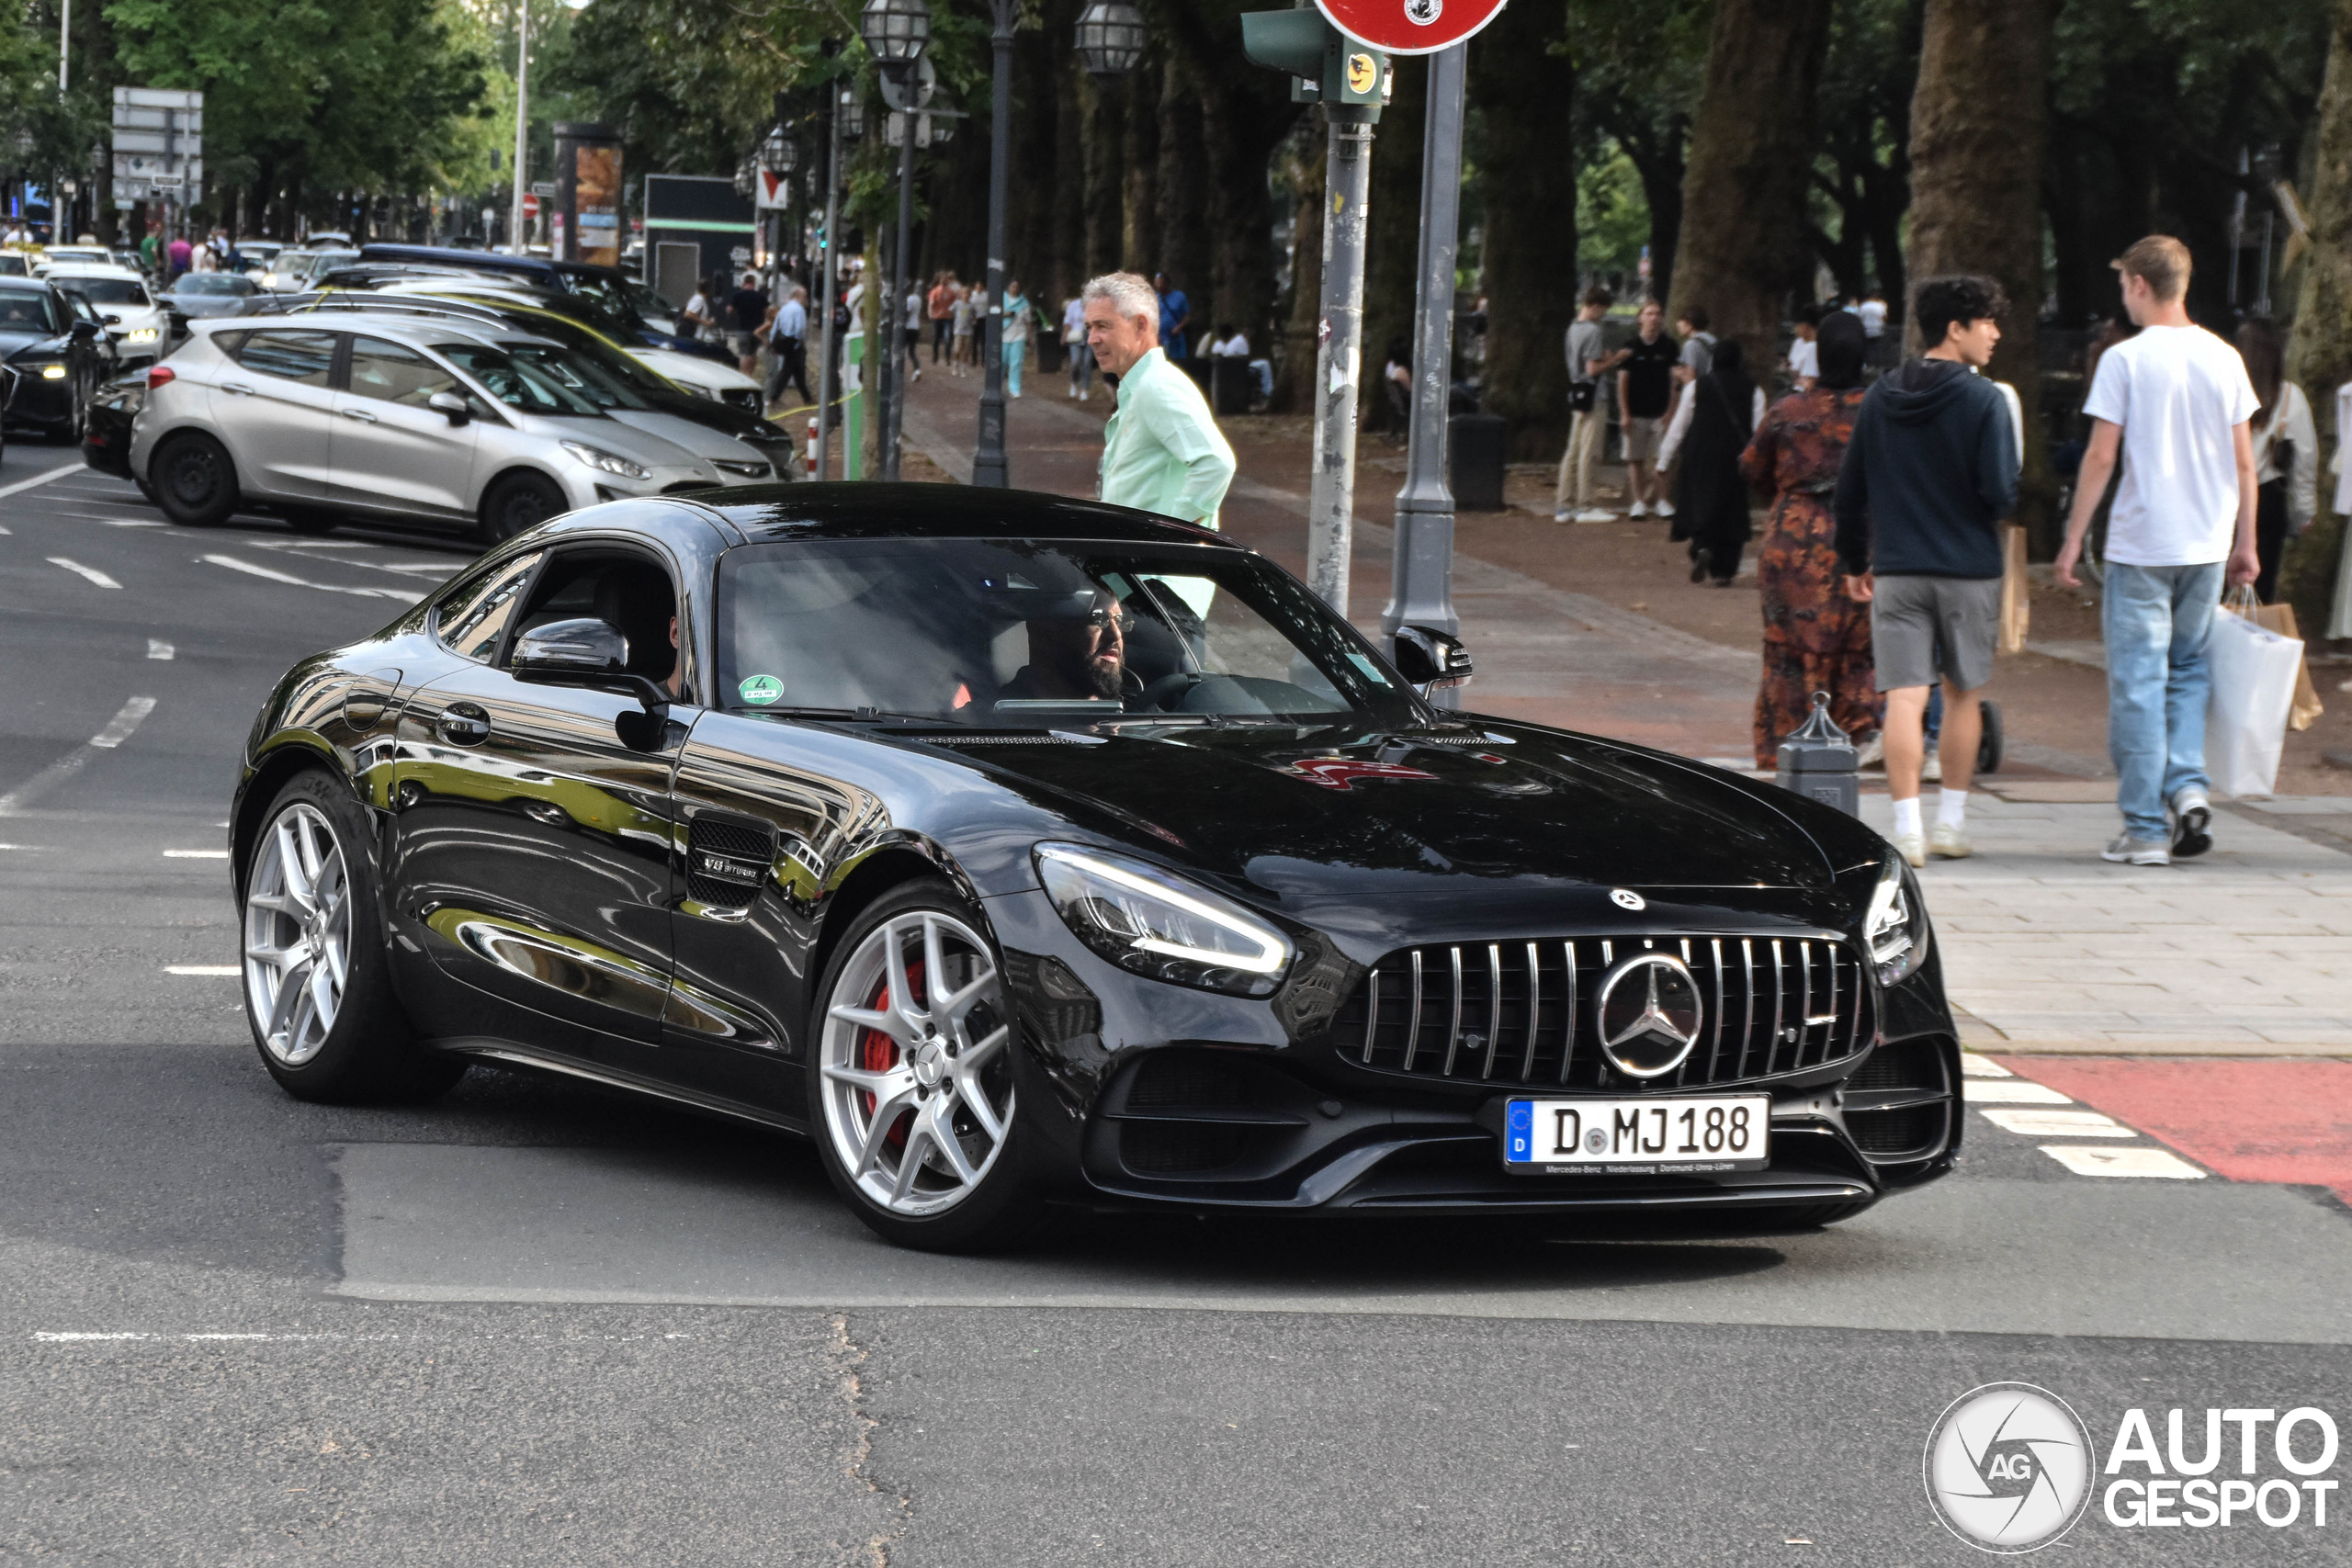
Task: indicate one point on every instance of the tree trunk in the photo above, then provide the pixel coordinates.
(1101, 135)
(1976, 131)
(1742, 248)
(1529, 186)
(2319, 353)
(1184, 249)
(1139, 228)
(1299, 339)
(1393, 246)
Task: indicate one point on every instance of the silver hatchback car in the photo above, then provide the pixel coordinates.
(394, 416)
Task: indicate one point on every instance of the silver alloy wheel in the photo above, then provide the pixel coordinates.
(298, 934)
(917, 1087)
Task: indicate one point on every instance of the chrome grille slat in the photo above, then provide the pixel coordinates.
(1749, 1037)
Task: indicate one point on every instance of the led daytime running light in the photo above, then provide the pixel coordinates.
(1272, 951)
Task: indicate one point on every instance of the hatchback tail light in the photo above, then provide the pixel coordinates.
(157, 375)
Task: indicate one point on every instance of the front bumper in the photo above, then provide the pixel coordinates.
(1154, 1094)
(40, 402)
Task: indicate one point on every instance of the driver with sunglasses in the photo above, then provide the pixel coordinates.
(1079, 654)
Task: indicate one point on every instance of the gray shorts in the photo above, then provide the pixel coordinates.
(1642, 438)
(1923, 626)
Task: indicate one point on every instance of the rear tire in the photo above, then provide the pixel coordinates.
(318, 984)
(519, 502)
(196, 484)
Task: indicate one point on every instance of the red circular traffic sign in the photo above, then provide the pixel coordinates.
(530, 205)
(1409, 27)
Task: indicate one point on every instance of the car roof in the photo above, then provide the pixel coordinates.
(874, 510)
(92, 270)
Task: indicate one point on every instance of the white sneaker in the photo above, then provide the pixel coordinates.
(1666, 509)
(1559, 517)
(2127, 850)
(1637, 510)
(1950, 842)
(2192, 820)
(1912, 848)
(1932, 770)
(1594, 515)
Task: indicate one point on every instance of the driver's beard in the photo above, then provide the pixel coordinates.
(1104, 674)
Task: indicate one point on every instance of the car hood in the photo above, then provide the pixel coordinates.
(206, 306)
(15, 342)
(692, 370)
(701, 440)
(1324, 821)
(627, 441)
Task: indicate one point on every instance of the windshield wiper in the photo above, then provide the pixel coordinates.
(853, 715)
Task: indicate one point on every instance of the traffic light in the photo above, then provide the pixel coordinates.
(1350, 79)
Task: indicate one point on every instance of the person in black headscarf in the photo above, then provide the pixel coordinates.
(1718, 412)
(1815, 639)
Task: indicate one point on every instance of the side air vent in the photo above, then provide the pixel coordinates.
(728, 858)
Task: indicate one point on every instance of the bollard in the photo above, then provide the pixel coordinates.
(1818, 762)
(812, 446)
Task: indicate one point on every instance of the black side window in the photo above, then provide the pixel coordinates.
(471, 617)
(290, 354)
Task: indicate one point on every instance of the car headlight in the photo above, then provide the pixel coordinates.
(52, 373)
(1896, 927)
(605, 462)
(1152, 922)
(140, 334)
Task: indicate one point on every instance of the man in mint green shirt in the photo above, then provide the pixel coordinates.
(1162, 451)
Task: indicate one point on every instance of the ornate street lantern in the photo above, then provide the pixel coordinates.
(851, 117)
(747, 174)
(895, 31)
(1111, 37)
(777, 154)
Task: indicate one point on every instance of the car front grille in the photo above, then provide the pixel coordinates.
(1523, 1013)
(745, 398)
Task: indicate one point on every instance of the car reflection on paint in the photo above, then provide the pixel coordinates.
(1023, 851)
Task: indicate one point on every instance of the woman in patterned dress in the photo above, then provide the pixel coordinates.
(1815, 639)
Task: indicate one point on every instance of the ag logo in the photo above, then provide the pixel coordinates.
(1364, 74)
(2008, 1468)
(1421, 13)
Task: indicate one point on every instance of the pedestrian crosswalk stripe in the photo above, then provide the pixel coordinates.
(2090, 1160)
(1976, 1067)
(2047, 1121)
(2010, 1092)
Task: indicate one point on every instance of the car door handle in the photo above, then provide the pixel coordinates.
(361, 416)
(463, 724)
(237, 387)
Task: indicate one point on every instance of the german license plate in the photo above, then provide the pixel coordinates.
(1677, 1135)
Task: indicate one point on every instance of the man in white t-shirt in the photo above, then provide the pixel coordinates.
(2177, 401)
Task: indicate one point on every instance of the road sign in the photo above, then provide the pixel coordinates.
(543, 189)
(531, 205)
(900, 94)
(158, 143)
(1409, 27)
(770, 189)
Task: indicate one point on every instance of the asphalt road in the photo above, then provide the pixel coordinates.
(536, 1324)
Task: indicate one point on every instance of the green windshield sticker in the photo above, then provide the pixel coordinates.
(760, 689)
(1369, 667)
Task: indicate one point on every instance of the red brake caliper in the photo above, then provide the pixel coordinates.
(877, 1053)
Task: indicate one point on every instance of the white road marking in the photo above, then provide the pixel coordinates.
(196, 854)
(50, 478)
(132, 522)
(2010, 1092)
(2088, 1159)
(250, 568)
(6, 531)
(116, 731)
(158, 649)
(223, 971)
(1976, 1067)
(78, 570)
(127, 718)
(23, 846)
(2044, 1121)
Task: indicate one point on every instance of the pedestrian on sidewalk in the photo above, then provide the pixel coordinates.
(1711, 426)
(1804, 348)
(940, 305)
(1698, 344)
(1817, 635)
(1013, 336)
(1175, 316)
(914, 331)
(2286, 450)
(1082, 358)
(1588, 360)
(1162, 450)
(1644, 391)
(787, 345)
(748, 307)
(959, 315)
(2177, 402)
(1929, 473)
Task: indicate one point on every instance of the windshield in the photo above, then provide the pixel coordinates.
(106, 290)
(584, 376)
(25, 311)
(212, 283)
(608, 297)
(1029, 634)
(519, 385)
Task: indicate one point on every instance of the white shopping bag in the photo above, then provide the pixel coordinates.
(2254, 674)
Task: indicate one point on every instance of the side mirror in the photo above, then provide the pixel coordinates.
(593, 653)
(1431, 659)
(453, 406)
(83, 331)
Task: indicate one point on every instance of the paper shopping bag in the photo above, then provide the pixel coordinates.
(2254, 673)
(2017, 602)
(2280, 618)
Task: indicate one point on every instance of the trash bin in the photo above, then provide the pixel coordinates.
(1477, 441)
(1818, 762)
(1198, 369)
(1231, 385)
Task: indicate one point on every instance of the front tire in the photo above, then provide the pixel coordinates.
(196, 483)
(318, 985)
(911, 1076)
(516, 503)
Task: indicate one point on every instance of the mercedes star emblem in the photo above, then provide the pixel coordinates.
(1626, 898)
(1649, 1014)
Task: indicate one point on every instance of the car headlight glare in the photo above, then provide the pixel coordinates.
(1896, 926)
(140, 334)
(1154, 923)
(605, 462)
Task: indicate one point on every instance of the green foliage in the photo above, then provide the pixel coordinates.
(1612, 216)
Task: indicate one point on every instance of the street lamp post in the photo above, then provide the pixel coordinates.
(844, 121)
(988, 464)
(522, 123)
(896, 33)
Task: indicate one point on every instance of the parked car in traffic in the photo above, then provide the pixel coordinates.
(105, 433)
(390, 416)
(135, 321)
(1023, 851)
(60, 353)
(72, 255)
(622, 296)
(292, 271)
(206, 296)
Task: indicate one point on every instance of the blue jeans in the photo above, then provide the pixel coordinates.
(2156, 620)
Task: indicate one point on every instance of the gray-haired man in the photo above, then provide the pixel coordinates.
(1161, 451)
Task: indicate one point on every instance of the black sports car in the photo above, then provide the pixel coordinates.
(1017, 849)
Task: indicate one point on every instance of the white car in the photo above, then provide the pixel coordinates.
(291, 272)
(703, 377)
(72, 255)
(390, 416)
(134, 319)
